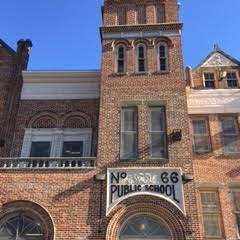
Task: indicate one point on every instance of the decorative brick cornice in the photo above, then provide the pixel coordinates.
(141, 27)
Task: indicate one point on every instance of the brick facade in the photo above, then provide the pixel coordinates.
(216, 169)
(68, 200)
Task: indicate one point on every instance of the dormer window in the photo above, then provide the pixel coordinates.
(141, 58)
(209, 80)
(120, 59)
(232, 81)
(163, 57)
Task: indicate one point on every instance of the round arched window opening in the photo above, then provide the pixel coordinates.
(21, 226)
(144, 227)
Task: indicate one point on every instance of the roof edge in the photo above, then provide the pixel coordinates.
(7, 47)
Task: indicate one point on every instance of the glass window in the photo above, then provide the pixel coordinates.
(209, 80)
(128, 133)
(144, 227)
(236, 202)
(158, 146)
(21, 227)
(201, 141)
(230, 134)
(163, 66)
(232, 80)
(120, 60)
(141, 59)
(40, 149)
(211, 214)
(72, 149)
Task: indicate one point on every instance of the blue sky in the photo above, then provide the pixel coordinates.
(65, 33)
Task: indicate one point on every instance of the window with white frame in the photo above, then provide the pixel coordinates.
(54, 142)
(201, 140)
(236, 209)
(158, 135)
(209, 80)
(230, 134)
(163, 57)
(232, 81)
(211, 214)
(141, 58)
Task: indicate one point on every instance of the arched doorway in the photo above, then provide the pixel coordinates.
(144, 227)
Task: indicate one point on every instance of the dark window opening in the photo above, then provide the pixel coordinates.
(72, 149)
(40, 149)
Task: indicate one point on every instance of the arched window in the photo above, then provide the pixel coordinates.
(20, 226)
(144, 227)
(121, 59)
(141, 58)
(163, 57)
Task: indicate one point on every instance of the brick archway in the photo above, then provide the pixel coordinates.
(151, 206)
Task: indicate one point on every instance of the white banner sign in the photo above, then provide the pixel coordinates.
(165, 183)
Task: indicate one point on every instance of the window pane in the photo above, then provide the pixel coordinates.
(157, 120)
(121, 53)
(72, 149)
(199, 126)
(40, 149)
(232, 80)
(21, 227)
(212, 225)
(238, 223)
(229, 125)
(209, 76)
(209, 201)
(128, 133)
(162, 52)
(201, 143)
(141, 52)
(236, 199)
(163, 64)
(120, 66)
(209, 84)
(141, 65)
(129, 119)
(144, 227)
(128, 146)
(158, 145)
(231, 144)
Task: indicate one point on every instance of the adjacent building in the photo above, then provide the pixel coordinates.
(214, 108)
(127, 151)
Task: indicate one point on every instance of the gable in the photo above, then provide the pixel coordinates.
(218, 59)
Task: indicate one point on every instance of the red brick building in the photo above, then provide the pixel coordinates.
(108, 154)
(213, 105)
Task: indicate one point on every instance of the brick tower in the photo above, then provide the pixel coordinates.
(143, 110)
(11, 65)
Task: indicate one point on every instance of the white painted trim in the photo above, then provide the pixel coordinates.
(64, 91)
(60, 76)
(57, 136)
(138, 34)
(213, 101)
(60, 85)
